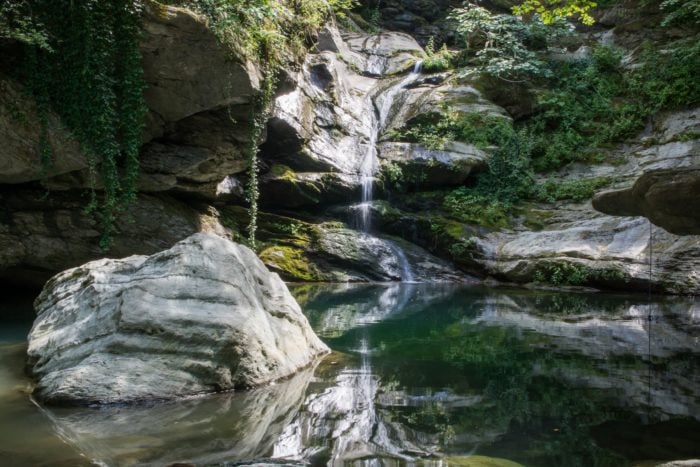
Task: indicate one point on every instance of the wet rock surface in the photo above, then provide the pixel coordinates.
(203, 316)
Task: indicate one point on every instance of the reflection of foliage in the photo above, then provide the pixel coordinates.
(498, 364)
(566, 273)
(507, 386)
(573, 304)
(514, 394)
(430, 417)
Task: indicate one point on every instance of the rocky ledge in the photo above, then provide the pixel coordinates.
(203, 316)
(666, 197)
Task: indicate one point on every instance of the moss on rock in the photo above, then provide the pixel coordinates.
(291, 263)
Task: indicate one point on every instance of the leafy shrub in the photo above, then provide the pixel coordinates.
(553, 11)
(436, 61)
(469, 206)
(18, 24)
(83, 61)
(682, 12)
(575, 190)
(592, 103)
(434, 131)
(373, 17)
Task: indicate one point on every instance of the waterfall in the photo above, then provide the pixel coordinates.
(370, 163)
(404, 265)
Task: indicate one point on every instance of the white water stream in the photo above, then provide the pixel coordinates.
(370, 164)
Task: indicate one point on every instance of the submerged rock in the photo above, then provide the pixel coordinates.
(203, 316)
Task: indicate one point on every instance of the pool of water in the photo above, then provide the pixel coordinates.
(419, 375)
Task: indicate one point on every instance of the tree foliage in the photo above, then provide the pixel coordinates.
(553, 10)
(18, 24)
(503, 45)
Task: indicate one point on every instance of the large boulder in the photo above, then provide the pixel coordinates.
(668, 198)
(203, 316)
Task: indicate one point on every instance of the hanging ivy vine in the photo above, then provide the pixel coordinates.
(83, 62)
(261, 113)
(89, 71)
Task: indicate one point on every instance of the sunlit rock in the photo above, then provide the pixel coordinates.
(203, 316)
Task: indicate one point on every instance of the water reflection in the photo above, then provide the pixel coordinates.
(424, 374)
(520, 374)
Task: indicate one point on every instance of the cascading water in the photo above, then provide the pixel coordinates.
(370, 163)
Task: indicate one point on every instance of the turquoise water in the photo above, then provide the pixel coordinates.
(420, 375)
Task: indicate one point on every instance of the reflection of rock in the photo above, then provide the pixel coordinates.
(201, 431)
(357, 305)
(205, 315)
(602, 336)
(669, 198)
(592, 341)
(595, 332)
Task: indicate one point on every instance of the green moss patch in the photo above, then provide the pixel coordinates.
(292, 263)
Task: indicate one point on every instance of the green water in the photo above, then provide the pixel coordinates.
(420, 375)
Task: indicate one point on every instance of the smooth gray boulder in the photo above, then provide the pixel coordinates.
(203, 316)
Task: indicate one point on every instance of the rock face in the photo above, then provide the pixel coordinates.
(203, 316)
(669, 198)
(196, 128)
(19, 129)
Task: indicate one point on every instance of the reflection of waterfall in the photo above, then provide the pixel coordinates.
(345, 420)
(370, 164)
(391, 300)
